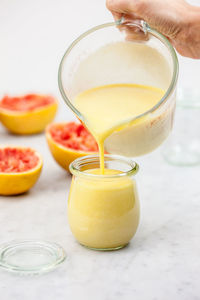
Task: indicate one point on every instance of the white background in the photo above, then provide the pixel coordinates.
(162, 262)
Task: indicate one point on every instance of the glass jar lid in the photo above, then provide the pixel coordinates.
(30, 256)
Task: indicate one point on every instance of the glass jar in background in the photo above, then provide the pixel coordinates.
(103, 210)
(183, 146)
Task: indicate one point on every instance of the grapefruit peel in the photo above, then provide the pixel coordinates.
(14, 182)
(28, 121)
(64, 155)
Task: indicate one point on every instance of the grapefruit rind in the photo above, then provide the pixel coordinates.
(20, 182)
(63, 155)
(29, 122)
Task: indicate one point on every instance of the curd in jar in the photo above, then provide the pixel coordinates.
(103, 210)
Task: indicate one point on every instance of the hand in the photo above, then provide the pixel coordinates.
(176, 19)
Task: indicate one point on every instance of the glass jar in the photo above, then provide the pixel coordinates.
(183, 146)
(104, 55)
(103, 210)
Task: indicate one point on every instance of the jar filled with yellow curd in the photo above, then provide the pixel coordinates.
(103, 209)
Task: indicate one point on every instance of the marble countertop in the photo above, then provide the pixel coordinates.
(162, 262)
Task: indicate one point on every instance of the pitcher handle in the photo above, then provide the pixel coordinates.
(138, 23)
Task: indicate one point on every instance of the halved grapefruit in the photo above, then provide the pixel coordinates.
(68, 141)
(20, 168)
(27, 114)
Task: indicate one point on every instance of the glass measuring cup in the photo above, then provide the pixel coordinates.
(103, 210)
(103, 56)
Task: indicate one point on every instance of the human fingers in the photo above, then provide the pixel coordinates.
(123, 6)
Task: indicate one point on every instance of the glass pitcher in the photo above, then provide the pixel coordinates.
(103, 210)
(103, 55)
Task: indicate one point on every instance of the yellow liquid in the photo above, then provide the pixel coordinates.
(109, 108)
(103, 213)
